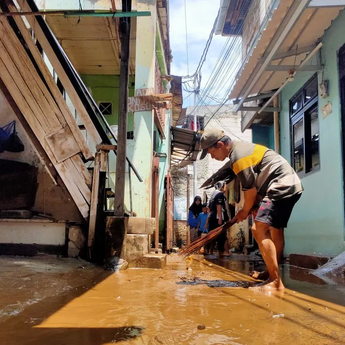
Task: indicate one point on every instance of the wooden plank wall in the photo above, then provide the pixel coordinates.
(45, 110)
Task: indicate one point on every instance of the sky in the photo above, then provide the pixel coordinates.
(201, 15)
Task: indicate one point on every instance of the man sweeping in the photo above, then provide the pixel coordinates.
(265, 176)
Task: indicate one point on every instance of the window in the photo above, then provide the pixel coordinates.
(305, 128)
(106, 108)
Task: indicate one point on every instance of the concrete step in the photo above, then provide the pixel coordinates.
(157, 261)
(308, 261)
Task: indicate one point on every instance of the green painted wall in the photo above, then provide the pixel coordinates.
(317, 222)
(105, 88)
(263, 135)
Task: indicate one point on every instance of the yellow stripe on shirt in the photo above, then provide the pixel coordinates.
(253, 159)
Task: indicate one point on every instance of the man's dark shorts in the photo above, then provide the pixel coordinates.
(276, 213)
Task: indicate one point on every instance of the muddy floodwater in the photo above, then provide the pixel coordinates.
(62, 301)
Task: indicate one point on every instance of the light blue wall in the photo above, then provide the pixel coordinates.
(263, 135)
(317, 223)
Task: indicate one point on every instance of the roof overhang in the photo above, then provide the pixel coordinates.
(232, 14)
(291, 38)
(92, 43)
(177, 100)
(185, 146)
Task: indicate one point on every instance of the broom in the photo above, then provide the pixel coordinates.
(196, 245)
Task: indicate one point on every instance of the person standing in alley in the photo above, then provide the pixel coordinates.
(267, 176)
(218, 215)
(203, 224)
(203, 221)
(193, 218)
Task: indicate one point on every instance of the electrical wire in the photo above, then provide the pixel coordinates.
(225, 72)
(185, 22)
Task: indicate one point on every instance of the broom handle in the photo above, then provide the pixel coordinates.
(233, 221)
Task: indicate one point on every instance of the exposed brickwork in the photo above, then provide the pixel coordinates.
(180, 230)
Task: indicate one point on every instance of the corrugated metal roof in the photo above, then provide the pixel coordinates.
(185, 146)
(308, 30)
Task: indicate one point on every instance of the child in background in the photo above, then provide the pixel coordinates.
(203, 221)
(203, 224)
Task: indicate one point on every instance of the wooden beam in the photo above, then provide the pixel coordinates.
(27, 103)
(61, 103)
(110, 23)
(125, 33)
(73, 189)
(68, 86)
(104, 161)
(106, 147)
(94, 200)
(87, 39)
(113, 5)
(80, 166)
(79, 181)
(41, 123)
(43, 157)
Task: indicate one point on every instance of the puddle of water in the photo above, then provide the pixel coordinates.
(154, 307)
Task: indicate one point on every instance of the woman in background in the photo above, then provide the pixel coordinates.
(218, 215)
(193, 218)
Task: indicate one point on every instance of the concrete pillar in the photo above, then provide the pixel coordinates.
(142, 149)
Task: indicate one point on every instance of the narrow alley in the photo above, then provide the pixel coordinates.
(66, 301)
(172, 172)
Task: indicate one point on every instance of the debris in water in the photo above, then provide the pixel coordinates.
(201, 327)
(211, 283)
(278, 315)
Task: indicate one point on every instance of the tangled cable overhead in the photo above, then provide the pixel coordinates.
(225, 71)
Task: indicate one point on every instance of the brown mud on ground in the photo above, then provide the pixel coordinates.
(189, 302)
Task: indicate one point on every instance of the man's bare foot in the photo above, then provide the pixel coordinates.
(260, 275)
(269, 285)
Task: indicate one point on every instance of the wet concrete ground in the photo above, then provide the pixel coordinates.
(62, 301)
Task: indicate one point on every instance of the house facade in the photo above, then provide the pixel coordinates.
(292, 80)
(80, 57)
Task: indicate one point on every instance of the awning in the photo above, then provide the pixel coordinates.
(292, 34)
(185, 146)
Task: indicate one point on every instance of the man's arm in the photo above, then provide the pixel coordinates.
(206, 223)
(220, 214)
(249, 201)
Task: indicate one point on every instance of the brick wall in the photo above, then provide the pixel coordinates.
(180, 231)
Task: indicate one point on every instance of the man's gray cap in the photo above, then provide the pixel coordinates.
(209, 138)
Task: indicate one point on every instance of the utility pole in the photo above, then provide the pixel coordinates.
(195, 168)
(125, 32)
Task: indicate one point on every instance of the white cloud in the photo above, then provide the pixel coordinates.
(201, 15)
